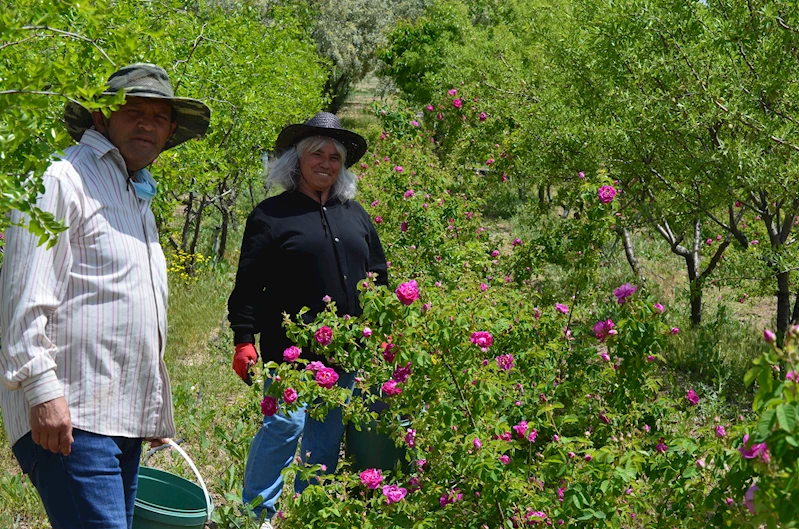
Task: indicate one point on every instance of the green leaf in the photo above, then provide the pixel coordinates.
(786, 417)
(765, 422)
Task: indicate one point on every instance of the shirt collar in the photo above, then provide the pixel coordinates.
(98, 143)
(101, 146)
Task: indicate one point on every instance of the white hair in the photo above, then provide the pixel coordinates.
(284, 171)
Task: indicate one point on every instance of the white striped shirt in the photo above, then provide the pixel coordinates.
(86, 319)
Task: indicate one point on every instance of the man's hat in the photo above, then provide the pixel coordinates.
(322, 124)
(146, 80)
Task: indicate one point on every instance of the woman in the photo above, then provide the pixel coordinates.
(311, 241)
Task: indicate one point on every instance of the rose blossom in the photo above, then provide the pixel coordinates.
(505, 362)
(769, 336)
(521, 429)
(371, 478)
(602, 329)
(560, 307)
(291, 354)
(326, 377)
(606, 194)
(482, 339)
(408, 292)
(401, 373)
(720, 431)
(389, 353)
(749, 498)
(410, 437)
(477, 444)
(504, 459)
(394, 493)
(269, 406)
(324, 335)
(483, 116)
(658, 307)
(675, 330)
(457, 103)
(692, 397)
(290, 395)
(391, 388)
(754, 450)
(624, 292)
(367, 332)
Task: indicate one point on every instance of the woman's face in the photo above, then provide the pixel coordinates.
(319, 169)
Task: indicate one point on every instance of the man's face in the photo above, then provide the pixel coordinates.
(139, 129)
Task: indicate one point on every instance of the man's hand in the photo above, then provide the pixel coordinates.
(245, 356)
(155, 442)
(51, 426)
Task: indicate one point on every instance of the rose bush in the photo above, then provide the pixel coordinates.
(518, 402)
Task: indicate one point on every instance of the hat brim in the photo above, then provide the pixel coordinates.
(191, 115)
(354, 143)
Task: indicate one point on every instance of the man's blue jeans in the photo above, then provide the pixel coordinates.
(94, 487)
(275, 445)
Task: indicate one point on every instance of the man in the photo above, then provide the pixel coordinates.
(83, 323)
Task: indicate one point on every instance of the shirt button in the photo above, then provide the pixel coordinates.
(324, 208)
(336, 239)
(345, 277)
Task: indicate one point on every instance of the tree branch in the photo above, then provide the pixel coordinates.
(71, 35)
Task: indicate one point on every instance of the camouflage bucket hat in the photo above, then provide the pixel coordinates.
(323, 124)
(146, 80)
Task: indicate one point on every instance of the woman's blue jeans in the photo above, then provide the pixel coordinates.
(275, 445)
(94, 487)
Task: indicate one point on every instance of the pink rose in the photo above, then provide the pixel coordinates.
(290, 395)
(602, 329)
(606, 194)
(394, 493)
(291, 354)
(324, 335)
(624, 292)
(391, 388)
(326, 377)
(692, 397)
(482, 339)
(401, 374)
(269, 406)
(505, 362)
(371, 478)
(408, 292)
(560, 307)
(457, 103)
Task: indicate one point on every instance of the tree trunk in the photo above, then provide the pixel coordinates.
(783, 304)
(220, 254)
(184, 236)
(694, 288)
(198, 217)
(629, 252)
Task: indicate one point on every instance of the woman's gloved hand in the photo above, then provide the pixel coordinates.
(244, 357)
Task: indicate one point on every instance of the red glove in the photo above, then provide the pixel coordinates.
(245, 356)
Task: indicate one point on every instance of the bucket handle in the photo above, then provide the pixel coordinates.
(172, 444)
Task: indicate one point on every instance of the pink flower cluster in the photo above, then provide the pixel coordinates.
(624, 292)
(603, 329)
(606, 194)
(269, 406)
(394, 493)
(408, 292)
(754, 450)
(371, 478)
(324, 336)
(482, 339)
(291, 354)
(505, 362)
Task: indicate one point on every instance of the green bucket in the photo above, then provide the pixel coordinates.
(370, 448)
(165, 501)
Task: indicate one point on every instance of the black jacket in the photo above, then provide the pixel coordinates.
(295, 252)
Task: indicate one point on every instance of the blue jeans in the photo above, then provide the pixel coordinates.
(94, 487)
(275, 445)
